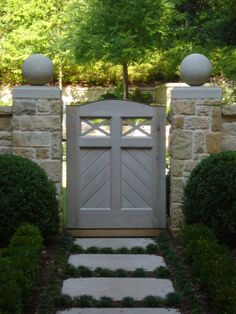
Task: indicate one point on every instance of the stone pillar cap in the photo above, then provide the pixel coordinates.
(41, 92)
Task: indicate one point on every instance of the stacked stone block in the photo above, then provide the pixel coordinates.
(37, 128)
(229, 127)
(200, 125)
(196, 124)
(5, 130)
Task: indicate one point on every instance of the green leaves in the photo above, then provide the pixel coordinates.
(26, 196)
(212, 267)
(18, 268)
(118, 31)
(32, 27)
(210, 197)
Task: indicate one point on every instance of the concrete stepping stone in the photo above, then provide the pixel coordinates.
(128, 262)
(117, 288)
(120, 311)
(114, 243)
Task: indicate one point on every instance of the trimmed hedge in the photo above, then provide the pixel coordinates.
(18, 269)
(210, 195)
(212, 267)
(26, 196)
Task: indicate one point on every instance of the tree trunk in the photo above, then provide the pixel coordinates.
(125, 81)
(60, 77)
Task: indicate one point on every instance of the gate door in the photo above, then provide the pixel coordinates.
(115, 165)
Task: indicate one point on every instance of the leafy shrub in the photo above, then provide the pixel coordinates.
(10, 287)
(86, 301)
(122, 250)
(136, 95)
(18, 269)
(26, 196)
(179, 272)
(142, 97)
(107, 250)
(210, 196)
(85, 271)
(139, 272)
(24, 249)
(152, 301)
(162, 272)
(120, 273)
(63, 300)
(173, 299)
(93, 250)
(105, 302)
(103, 272)
(75, 248)
(212, 266)
(138, 250)
(108, 95)
(128, 302)
(152, 248)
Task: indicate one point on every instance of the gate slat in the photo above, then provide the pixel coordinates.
(116, 180)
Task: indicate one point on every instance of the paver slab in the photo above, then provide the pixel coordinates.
(117, 288)
(114, 243)
(120, 311)
(114, 261)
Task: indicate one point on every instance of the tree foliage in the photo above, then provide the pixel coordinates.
(151, 37)
(209, 21)
(29, 26)
(119, 31)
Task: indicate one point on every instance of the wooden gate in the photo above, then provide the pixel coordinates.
(116, 166)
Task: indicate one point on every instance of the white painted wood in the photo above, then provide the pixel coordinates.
(95, 141)
(116, 163)
(116, 181)
(73, 131)
(137, 142)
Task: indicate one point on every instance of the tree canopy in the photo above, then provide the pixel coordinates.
(119, 31)
(29, 26)
(150, 37)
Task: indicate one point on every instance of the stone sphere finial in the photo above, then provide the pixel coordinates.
(38, 69)
(195, 69)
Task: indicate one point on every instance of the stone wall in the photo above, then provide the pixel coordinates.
(73, 93)
(5, 130)
(37, 128)
(229, 127)
(196, 131)
(85, 94)
(200, 125)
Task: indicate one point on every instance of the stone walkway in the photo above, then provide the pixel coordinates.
(117, 288)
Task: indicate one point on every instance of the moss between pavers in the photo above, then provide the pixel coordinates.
(53, 299)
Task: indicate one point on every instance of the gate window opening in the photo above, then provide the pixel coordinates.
(95, 127)
(136, 127)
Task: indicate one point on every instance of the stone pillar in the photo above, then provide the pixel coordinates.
(195, 132)
(229, 127)
(37, 128)
(5, 130)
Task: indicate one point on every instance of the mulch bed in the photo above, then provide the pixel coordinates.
(45, 269)
(200, 294)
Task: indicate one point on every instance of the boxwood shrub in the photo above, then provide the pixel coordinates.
(26, 196)
(212, 267)
(18, 269)
(210, 195)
